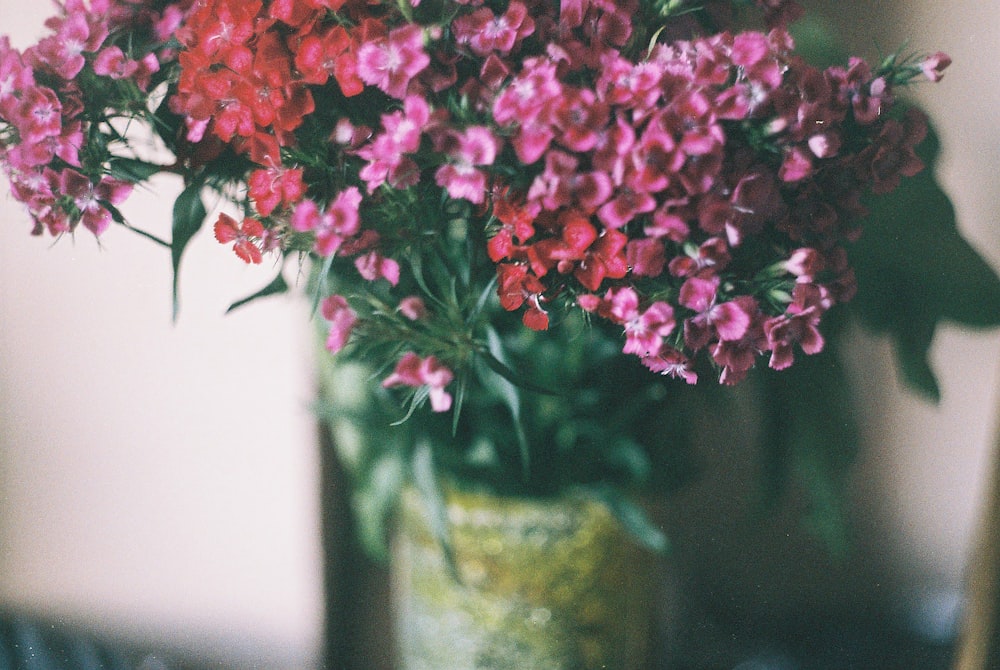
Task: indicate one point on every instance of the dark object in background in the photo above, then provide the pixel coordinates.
(27, 644)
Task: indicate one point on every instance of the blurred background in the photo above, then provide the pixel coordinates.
(159, 482)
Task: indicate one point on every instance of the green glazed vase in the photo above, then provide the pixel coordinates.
(540, 585)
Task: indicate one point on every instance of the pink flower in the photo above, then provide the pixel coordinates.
(75, 33)
(391, 63)
(728, 320)
(484, 32)
(89, 198)
(413, 308)
(373, 265)
(475, 146)
(646, 256)
(934, 65)
(644, 330)
(339, 221)
(386, 153)
(38, 114)
(673, 363)
(411, 370)
(798, 325)
(342, 320)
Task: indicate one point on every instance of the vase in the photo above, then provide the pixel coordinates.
(532, 584)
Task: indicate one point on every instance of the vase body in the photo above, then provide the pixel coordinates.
(540, 585)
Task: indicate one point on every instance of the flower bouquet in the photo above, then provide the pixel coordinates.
(528, 226)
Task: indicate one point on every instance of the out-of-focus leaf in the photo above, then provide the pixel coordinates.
(810, 437)
(133, 170)
(188, 216)
(915, 270)
(425, 479)
(633, 519)
(277, 286)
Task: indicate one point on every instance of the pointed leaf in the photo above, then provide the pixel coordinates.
(430, 493)
(511, 398)
(133, 170)
(633, 519)
(189, 215)
(277, 286)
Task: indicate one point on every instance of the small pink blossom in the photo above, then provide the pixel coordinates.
(342, 320)
(668, 361)
(484, 32)
(468, 150)
(333, 226)
(799, 326)
(373, 265)
(392, 62)
(644, 329)
(934, 65)
(414, 371)
(413, 308)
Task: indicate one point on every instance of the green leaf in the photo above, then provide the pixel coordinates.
(374, 500)
(511, 398)
(634, 519)
(810, 437)
(277, 286)
(133, 170)
(120, 219)
(915, 270)
(426, 482)
(189, 215)
(510, 375)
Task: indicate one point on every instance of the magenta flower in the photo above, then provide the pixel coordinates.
(644, 330)
(798, 325)
(342, 320)
(934, 65)
(373, 265)
(75, 33)
(89, 199)
(672, 363)
(484, 32)
(727, 320)
(475, 146)
(411, 370)
(38, 114)
(386, 153)
(333, 226)
(413, 308)
(392, 62)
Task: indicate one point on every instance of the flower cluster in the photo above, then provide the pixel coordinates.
(634, 162)
(52, 106)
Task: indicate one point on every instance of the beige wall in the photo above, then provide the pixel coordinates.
(160, 480)
(157, 481)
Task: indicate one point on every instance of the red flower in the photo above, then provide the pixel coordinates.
(243, 235)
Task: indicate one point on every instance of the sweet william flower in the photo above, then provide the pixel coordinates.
(242, 235)
(934, 65)
(467, 150)
(557, 149)
(799, 325)
(342, 319)
(275, 187)
(414, 371)
(331, 227)
(38, 114)
(728, 320)
(390, 63)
